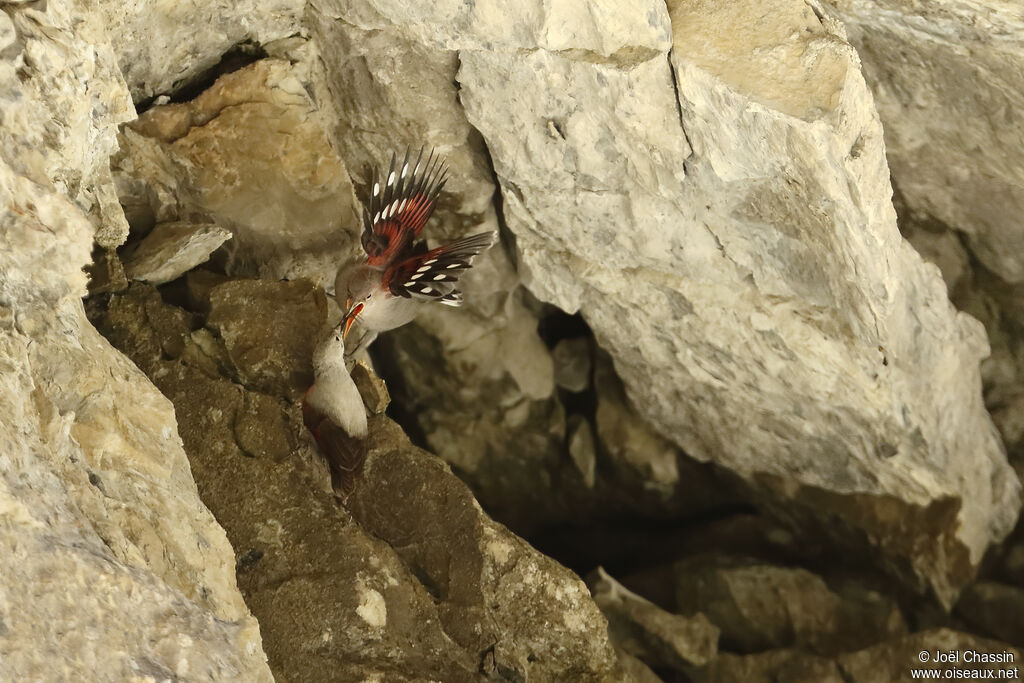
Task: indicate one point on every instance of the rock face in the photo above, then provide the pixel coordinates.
(642, 629)
(945, 80)
(413, 575)
(113, 568)
(734, 248)
(250, 154)
(699, 259)
(761, 607)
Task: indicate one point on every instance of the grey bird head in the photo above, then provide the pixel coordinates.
(330, 351)
(356, 284)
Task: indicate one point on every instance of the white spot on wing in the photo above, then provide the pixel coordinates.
(376, 189)
(391, 178)
(404, 169)
(422, 269)
(438, 277)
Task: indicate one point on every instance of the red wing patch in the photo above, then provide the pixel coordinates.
(401, 203)
(432, 274)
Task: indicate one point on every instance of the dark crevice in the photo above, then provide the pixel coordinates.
(679, 107)
(625, 546)
(384, 354)
(237, 57)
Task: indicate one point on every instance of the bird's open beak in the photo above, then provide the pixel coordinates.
(350, 318)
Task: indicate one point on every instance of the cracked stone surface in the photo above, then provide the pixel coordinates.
(734, 263)
(412, 575)
(249, 153)
(113, 568)
(699, 259)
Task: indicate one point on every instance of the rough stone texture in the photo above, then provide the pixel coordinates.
(646, 631)
(888, 662)
(891, 661)
(162, 46)
(761, 607)
(171, 249)
(250, 154)
(571, 358)
(112, 567)
(791, 666)
(412, 576)
(745, 272)
(995, 609)
(946, 80)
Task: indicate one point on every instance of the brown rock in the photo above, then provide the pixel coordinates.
(415, 579)
(995, 609)
(761, 607)
(644, 630)
(269, 330)
(891, 662)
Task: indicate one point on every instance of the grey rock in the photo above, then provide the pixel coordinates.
(891, 661)
(735, 250)
(582, 449)
(249, 154)
(995, 609)
(171, 249)
(792, 666)
(761, 607)
(162, 47)
(644, 630)
(274, 358)
(572, 363)
(412, 575)
(945, 80)
(112, 567)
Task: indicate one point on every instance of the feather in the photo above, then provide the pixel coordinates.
(401, 203)
(432, 274)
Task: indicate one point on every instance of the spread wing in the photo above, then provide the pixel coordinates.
(401, 203)
(432, 274)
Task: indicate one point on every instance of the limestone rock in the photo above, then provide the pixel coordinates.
(112, 566)
(945, 80)
(163, 46)
(171, 249)
(571, 358)
(996, 609)
(791, 666)
(648, 632)
(413, 576)
(275, 357)
(249, 153)
(890, 661)
(761, 607)
(582, 449)
(735, 250)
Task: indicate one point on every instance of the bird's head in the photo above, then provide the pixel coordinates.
(330, 351)
(356, 286)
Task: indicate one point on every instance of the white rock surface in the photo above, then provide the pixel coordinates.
(163, 44)
(251, 154)
(946, 78)
(736, 251)
(172, 249)
(112, 568)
